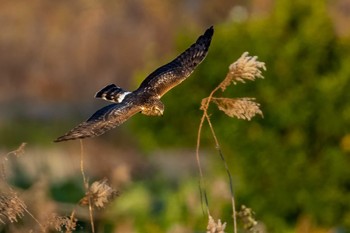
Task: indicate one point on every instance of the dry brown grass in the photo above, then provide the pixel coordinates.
(100, 193)
(246, 68)
(247, 217)
(62, 223)
(13, 208)
(215, 227)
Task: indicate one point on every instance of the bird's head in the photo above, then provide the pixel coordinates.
(158, 110)
(154, 107)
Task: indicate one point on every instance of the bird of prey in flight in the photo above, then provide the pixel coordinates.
(145, 99)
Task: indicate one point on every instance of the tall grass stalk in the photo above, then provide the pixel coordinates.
(245, 68)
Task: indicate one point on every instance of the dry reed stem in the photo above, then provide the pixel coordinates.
(86, 185)
(218, 147)
(19, 151)
(72, 223)
(202, 185)
(245, 68)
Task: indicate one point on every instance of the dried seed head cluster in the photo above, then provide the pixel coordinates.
(245, 68)
(11, 208)
(61, 223)
(99, 193)
(214, 227)
(247, 217)
(242, 108)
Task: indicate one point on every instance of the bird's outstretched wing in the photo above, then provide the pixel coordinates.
(101, 121)
(168, 76)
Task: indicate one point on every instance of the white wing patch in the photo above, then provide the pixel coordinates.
(112, 93)
(122, 96)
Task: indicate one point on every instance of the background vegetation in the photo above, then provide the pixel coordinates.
(291, 167)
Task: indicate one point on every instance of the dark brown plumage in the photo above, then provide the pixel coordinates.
(145, 99)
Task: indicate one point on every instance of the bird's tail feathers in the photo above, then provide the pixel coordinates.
(112, 93)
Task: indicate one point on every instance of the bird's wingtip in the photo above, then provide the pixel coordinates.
(209, 31)
(59, 139)
(68, 136)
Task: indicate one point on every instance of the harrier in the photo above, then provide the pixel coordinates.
(145, 99)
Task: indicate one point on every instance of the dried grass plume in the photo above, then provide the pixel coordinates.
(11, 208)
(248, 219)
(99, 193)
(215, 227)
(245, 68)
(241, 108)
(61, 223)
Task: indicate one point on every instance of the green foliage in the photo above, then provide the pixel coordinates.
(70, 191)
(152, 208)
(295, 160)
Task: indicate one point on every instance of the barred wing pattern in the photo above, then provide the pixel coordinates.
(101, 121)
(168, 76)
